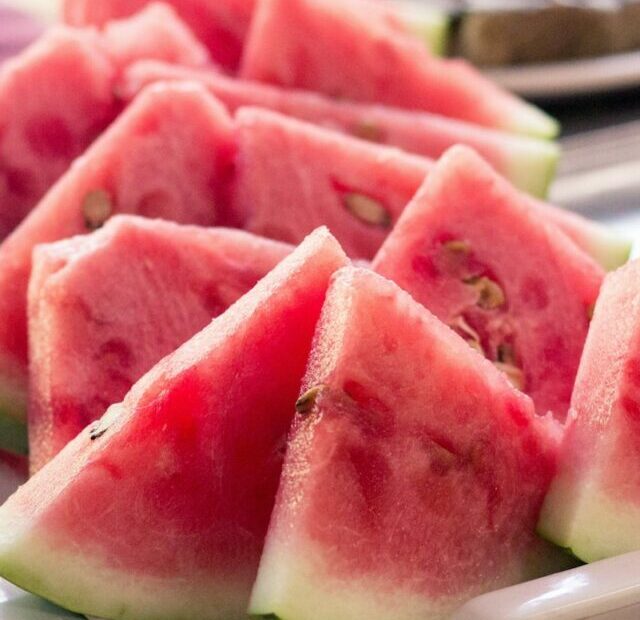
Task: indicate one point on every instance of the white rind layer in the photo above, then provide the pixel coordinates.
(591, 524)
(74, 582)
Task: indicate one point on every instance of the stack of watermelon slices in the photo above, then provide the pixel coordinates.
(220, 422)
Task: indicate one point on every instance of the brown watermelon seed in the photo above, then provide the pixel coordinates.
(307, 401)
(590, 310)
(471, 336)
(457, 246)
(367, 209)
(514, 374)
(490, 293)
(96, 208)
(368, 130)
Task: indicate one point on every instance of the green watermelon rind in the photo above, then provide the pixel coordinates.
(610, 249)
(534, 170)
(434, 30)
(148, 601)
(13, 428)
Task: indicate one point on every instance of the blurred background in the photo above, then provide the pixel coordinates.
(580, 60)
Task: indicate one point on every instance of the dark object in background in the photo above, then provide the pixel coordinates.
(502, 32)
(17, 30)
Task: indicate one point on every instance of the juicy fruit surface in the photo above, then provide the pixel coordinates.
(303, 43)
(220, 24)
(45, 125)
(410, 438)
(168, 156)
(528, 162)
(463, 249)
(59, 95)
(160, 509)
(103, 309)
(593, 506)
(357, 189)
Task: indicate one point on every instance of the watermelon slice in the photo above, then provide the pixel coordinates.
(306, 44)
(414, 474)
(528, 162)
(593, 506)
(13, 473)
(357, 189)
(155, 32)
(220, 24)
(58, 96)
(169, 156)
(44, 122)
(160, 509)
(463, 248)
(104, 308)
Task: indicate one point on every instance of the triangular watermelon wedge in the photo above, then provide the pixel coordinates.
(528, 162)
(292, 176)
(326, 46)
(60, 94)
(160, 509)
(104, 308)
(487, 261)
(593, 507)
(169, 155)
(414, 474)
(220, 24)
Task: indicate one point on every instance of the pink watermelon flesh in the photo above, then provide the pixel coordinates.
(220, 24)
(168, 156)
(58, 96)
(593, 506)
(327, 46)
(155, 32)
(13, 473)
(414, 474)
(104, 308)
(160, 509)
(528, 162)
(55, 98)
(473, 251)
(292, 177)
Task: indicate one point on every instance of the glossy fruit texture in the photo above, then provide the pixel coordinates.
(487, 263)
(104, 308)
(159, 510)
(593, 506)
(326, 46)
(414, 475)
(168, 156)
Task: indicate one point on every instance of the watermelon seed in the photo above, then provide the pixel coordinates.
(368, 130)
(97, 431)
(490, 293)
(457, 246)
(96, 208)
(308, 400)
(590, 311)
(368, 210)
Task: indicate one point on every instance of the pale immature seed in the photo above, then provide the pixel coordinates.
(490, 293)
(96, 208)
(457, 246)
(514, 374)
(308, 400)
(367, 209)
